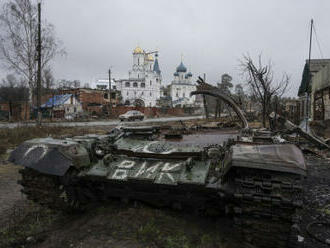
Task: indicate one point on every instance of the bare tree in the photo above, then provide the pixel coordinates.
(239, 96)
(224, 86)
(18, 40)
(260, 79)
(69, 84)
(48, 80)
(13, 90)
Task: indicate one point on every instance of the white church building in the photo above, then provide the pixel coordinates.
(142, 88)
(181, 87)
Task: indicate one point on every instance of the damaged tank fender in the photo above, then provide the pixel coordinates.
(50, 156)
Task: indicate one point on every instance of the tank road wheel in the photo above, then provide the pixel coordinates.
(58, 193)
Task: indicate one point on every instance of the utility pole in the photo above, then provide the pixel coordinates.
(110, 104)
(39, 67)
(309, 77)
(204, 100)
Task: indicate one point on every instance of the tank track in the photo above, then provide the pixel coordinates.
(265, 207)
(57, 193)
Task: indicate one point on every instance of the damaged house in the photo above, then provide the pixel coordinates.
(307, 85)
(63, 105)
(321, 94)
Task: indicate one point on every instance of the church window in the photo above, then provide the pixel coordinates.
(135, 84)
(143, 85)
(134, 92)
(150, 94)
(138, 61)
(105, 96)
(127, 93)
(183, 94)
(142, 93)
(127, 84)
(150, 82)
(177, 94)
(157, 80)
(150, 67)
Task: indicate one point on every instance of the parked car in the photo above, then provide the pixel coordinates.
(131, 116)
(69, 117)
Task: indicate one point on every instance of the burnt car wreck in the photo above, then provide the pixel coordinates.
(249, 175)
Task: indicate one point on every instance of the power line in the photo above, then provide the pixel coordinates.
(317, 41)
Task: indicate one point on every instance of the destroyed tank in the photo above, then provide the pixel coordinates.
(260, 186)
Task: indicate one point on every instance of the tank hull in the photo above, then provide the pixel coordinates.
(258, 186)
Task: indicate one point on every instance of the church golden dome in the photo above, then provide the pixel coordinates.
(138, 50)
(150, 58)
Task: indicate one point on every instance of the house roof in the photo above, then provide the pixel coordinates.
(56, 100)
(315, 67)
(304, 85)
(322, 79)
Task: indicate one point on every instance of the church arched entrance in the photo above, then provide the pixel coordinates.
(139, 103)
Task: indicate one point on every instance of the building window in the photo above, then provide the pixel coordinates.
(138, 61)
(75, 109)
(127, 84)
(142, 93)
(150, 94)
(150, 82)
(114, 87)
(143, 85)
(105, 96)
(157, 80)
(183, 94)
(177, 94)
(127, 93)
(135, 84)
(138, 75)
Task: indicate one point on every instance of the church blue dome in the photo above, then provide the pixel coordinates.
(181, 68)
(175, 74)
(189, 74)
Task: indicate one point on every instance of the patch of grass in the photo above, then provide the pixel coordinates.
(160, 228)
(25, 224)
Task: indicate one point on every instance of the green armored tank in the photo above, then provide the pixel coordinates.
(205, 171)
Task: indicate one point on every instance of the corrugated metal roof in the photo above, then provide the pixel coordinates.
(56, 100)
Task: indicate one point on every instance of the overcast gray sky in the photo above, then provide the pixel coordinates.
(211, 35)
